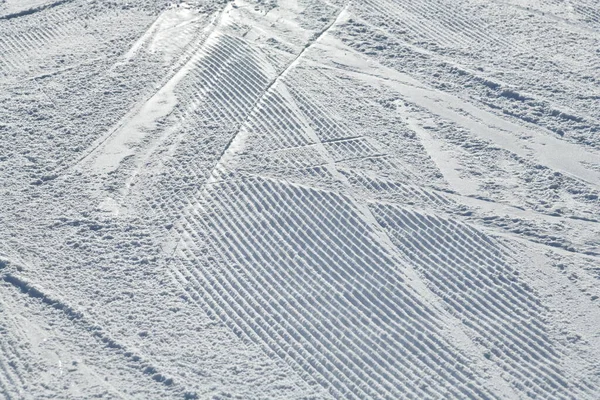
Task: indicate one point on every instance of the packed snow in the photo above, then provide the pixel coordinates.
(300, 199)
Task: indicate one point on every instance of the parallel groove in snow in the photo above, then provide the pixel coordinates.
(299, 273)
(439, 20)
(11, 378)
(468, 272)
(353, 280)
(17, 46)
(285, 213)
(224, 83)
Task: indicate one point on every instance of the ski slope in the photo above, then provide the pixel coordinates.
(300, 199)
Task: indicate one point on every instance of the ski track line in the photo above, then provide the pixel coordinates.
(34, 10)
(226, 76)
(280, 77)
(454, 22)
(227, 93)
(223, 82)
(588, 11)
(185, 60)
(446, 162)
(331, 163)
(216, 66)
(560, 112)
(321, 148)
(398, 192)
(79, 319)
(414, 24)
(269, 96)
(12, 380)
(430, 99)
(358, 155)
(339, 140)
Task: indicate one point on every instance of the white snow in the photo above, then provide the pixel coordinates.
(263, 199)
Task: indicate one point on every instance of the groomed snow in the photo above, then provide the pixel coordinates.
(300, 199)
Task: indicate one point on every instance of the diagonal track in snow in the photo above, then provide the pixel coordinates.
(144, 114)
(237, 140)
(34, 10)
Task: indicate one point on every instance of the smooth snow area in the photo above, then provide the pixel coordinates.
(300, 199)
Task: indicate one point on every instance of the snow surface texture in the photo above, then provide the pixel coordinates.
(374, 199)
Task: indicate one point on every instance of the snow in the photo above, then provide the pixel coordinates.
(299, 199)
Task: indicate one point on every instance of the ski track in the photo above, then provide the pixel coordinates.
(279, 182)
